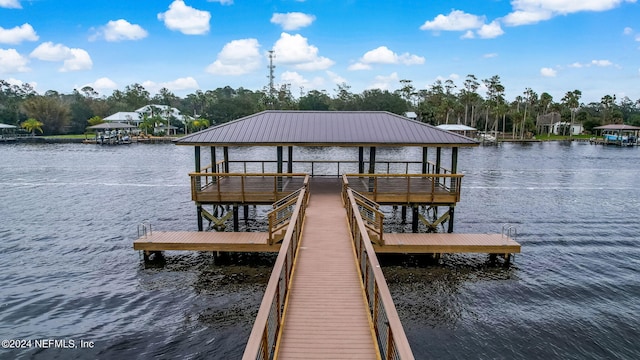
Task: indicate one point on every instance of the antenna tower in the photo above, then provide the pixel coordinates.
(272, 68)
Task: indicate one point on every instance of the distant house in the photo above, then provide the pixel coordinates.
(459, 129)
(565, 128)
(544, 123)
(164, 112)
(411, 115)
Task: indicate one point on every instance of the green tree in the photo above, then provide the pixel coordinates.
(314, 100)
(51, 110)
(31, 125)
(572, 101)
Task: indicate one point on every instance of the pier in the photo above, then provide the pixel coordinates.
(327, 296)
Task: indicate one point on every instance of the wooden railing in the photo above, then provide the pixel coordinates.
(392, 340)
(264, 335)
(283, 211)
(408, 188)
(370, 212)
(322, 167)
(239, 188)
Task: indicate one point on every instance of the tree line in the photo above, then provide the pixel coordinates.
(477, 103)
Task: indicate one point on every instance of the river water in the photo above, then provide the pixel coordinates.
(68, 217)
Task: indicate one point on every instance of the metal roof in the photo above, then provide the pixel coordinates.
(456, 127)
(617, 127)
(325, 128)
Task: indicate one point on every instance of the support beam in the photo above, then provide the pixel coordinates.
(246, 212)
(451, 213)
(236, 223)
(360, 160)
(290, 160)
(454, 160)
(403, 214)
(414, 219)
(372, 160)
(200, 224)
(213, 159)
(438, 159)
(225, 154)
(279, 167)
(197, 158)
(425, 160)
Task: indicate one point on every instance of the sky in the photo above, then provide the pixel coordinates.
(552, 46)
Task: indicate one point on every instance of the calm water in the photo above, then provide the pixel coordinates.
(68, 216)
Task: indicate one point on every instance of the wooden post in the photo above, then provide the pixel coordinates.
(404, 214)
(246, 212)
(200, 224)
(290, 160)
(279, 167)
(425, 160)
(360, 160)
(197, 158)
(372, 166)
(236, 225)
(372, 160)
(438, 159)
(213, 159)
(414, 219)
(451, 213)
(454, 185)
(225, 154)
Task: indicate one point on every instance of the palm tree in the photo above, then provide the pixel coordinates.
(31, 125)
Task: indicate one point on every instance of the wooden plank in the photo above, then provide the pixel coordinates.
(206, 241)
(448, 243)
(326, 315)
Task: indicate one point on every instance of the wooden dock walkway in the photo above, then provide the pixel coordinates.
(326, 313)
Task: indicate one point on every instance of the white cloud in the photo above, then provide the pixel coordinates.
(601, 63)
(548, 72)
(237, 57)
(222, 2)
(10, 4)
(490, 31)
(456, 21)
(335, 78)
(12, 62)
(359, 66)
(186, 83)
(468, 35)
(533, 11)
(184, 18)
(490, 55)
(294, 50)
(383, 55)
(627, 31)
(120, 30)
(18, 34)
(293, 20)
(73, 59)
(384, 82)
(298, 81)
(101, 85)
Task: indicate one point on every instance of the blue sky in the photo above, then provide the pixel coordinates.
(552, 46)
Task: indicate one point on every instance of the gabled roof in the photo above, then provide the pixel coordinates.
(123, 116)
(617, 127)
(325, 128)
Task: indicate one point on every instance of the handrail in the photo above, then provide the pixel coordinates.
(371, 215)
(264, 334)
(212, 181)
(144, 229)
(438, 184)
(392, 340)
(261, 166)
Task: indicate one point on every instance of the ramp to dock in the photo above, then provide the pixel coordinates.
(326, 314)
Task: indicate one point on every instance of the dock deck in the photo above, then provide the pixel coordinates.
(206, 241)
(326, 314)
(447, 243)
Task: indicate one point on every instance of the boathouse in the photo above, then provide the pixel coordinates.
(410, 183)
(327, 296)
